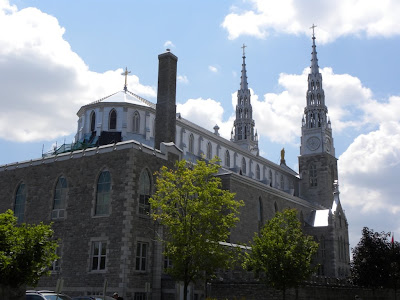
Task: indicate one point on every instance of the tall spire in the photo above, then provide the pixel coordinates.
(243, 133)
(315, 117)
(243, 78)
(314, 60)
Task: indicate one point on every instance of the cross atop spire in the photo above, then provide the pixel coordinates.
(313, 27)
(126, 78)
(244, 46)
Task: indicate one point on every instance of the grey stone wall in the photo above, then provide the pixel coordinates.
(252, 192)
(326, 166)
(122, 228)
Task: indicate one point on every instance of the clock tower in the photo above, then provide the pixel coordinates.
(317, 161)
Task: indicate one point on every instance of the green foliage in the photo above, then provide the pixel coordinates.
(26, 251)
(376, 261)
(197, 214)
(282, 252)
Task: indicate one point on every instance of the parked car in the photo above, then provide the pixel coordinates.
(93, 297)
(45, 295)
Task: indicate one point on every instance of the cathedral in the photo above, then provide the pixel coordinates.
(96, 190)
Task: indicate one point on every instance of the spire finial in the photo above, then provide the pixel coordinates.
(244, 46)
(313, 27)
(126, 78)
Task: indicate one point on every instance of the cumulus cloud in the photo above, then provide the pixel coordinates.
(43, 82)
(206, 113)
(369, 171)
(351, 17)
(183, 79)
(346, 98)
(213, 69)
(169, 44)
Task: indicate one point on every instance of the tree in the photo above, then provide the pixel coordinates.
(282, 252)
(376, 261)
(197, 214)
(26, 251)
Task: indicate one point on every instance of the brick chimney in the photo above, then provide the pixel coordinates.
(166, 99)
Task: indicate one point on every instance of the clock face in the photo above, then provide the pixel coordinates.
(313, 143)
(328, 145)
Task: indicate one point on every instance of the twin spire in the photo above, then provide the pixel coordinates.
(314, 60)
(243, 78)
(243, 132)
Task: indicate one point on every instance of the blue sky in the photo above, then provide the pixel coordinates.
(56, 56)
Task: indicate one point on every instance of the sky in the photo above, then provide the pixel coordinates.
(56, 56)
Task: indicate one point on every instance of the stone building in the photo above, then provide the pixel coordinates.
(96, 190)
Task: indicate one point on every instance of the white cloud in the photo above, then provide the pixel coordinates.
(169, 44)
(369, 17)
(369, 171)
(43, 81)
(345, 96)
(206, 113)
(183, 79)
(213, 69)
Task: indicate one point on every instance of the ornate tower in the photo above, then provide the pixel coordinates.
(243, 133)
(317, 162)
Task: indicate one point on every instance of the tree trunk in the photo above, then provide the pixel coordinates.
(185, 288)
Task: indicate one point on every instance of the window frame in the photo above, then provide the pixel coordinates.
(60, 198)
(191, 143)
(100, 256)
(20, 202)
(112, 120)
(313, 179)
(141, 257)
(209, 151)
(93, 121)
(144, 193)
(227, 159)
(244, 166)
(136, 122)
(101, 195)
(258, 172)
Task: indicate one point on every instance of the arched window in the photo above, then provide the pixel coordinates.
(92, 121)
(240, 133)
(60, 195)
(227, 159)
(136, 122)
(144, 193)
(19, 205)
(103, 194)
(313, 175)
(209, 150)
(258, 172)
(191, 143)
(282, 183)
(270, 178)
(260, 210)
(276, 207)
(112, 120)
(244, 166)
(322, 246)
